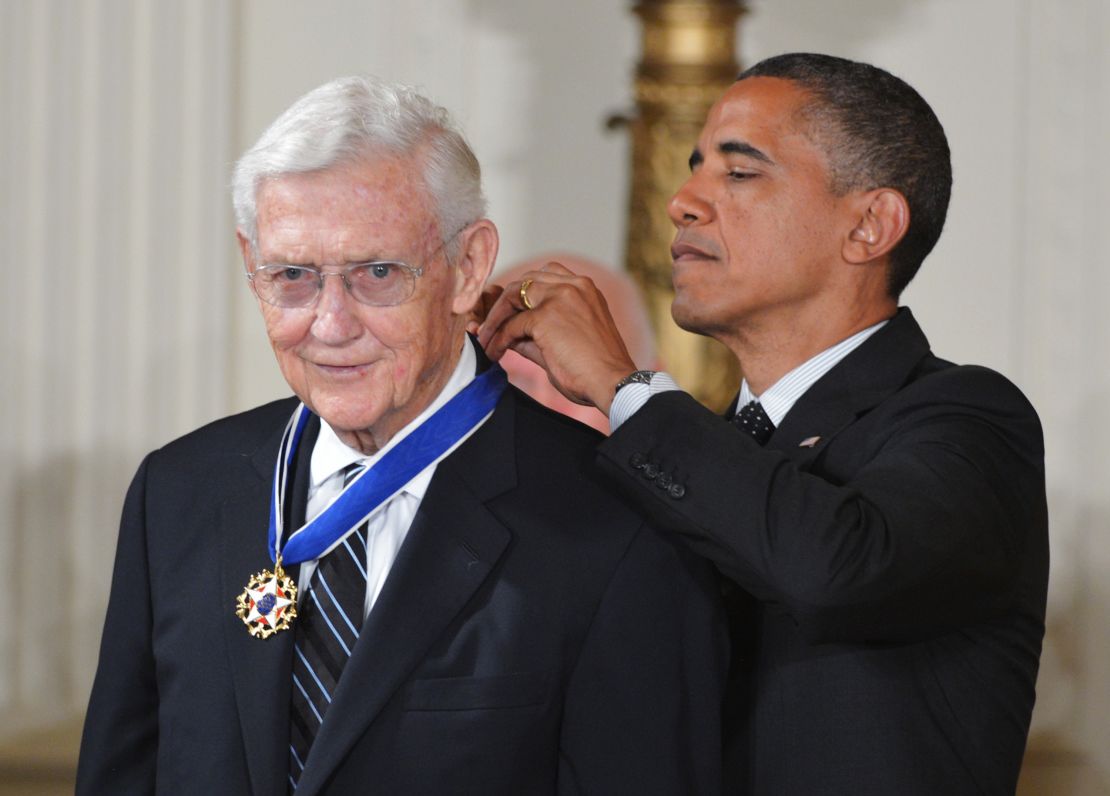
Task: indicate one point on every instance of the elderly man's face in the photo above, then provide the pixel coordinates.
(366, 370)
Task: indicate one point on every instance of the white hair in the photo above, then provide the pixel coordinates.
(356, 118)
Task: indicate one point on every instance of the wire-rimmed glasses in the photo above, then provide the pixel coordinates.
(378, 283)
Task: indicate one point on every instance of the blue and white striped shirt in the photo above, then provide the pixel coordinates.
(776, 400)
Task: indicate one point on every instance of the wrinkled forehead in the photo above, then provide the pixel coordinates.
(372, 200)
(362, 181)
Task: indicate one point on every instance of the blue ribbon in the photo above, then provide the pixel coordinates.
(425, 445)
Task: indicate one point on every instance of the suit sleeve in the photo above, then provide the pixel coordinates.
(120, 739)
(929, 532)
(642, 710)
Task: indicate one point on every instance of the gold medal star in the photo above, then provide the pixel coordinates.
(268, 603)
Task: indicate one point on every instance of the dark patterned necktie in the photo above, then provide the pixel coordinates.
(753, 421)
(327, 627)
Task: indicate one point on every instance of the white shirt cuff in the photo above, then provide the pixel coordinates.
(632, 397)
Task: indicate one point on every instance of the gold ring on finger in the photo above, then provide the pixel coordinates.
(527, 283)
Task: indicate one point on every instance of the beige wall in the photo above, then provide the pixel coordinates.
(129, 323)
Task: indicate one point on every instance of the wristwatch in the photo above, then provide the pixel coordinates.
(635, 377)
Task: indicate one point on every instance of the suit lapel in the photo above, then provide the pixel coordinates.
(260, 668)
(859, 382)
(453, 545)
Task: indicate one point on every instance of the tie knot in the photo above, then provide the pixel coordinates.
(351, 471)
(752, 420)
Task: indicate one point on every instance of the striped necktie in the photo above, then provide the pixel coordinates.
(330, 617)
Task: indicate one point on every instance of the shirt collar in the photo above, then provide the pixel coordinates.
(330, 454)
(780, 397)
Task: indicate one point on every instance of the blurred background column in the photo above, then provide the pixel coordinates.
(114, 149)
(687, 60)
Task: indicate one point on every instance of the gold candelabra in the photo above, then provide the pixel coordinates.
(688, 60)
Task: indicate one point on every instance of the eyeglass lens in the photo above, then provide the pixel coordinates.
(379, 284)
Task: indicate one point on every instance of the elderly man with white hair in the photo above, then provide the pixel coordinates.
(404, 579)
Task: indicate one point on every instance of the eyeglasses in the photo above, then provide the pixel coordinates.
(379, 283)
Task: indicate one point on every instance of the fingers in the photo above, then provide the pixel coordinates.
(553, 267)
(509, 301)
(510, 322)
(489, 296)
(514, 332)
(527, 302)
(560, 321)
(481, 309)
(504, 328)
(502, 310)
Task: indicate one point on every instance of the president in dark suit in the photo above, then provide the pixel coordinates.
(406, 580)
(877, 512)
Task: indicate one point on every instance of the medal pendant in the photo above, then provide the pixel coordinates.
(269, 603)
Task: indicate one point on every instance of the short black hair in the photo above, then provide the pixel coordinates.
(877, 132)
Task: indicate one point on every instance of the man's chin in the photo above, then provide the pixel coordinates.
(687, 318)
(341, 417)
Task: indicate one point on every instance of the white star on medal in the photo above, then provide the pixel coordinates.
(257, 595)
(262, 588)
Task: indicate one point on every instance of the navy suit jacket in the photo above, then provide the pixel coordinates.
(533, 636)
(893, 534)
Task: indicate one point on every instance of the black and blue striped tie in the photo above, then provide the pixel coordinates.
(327, 627)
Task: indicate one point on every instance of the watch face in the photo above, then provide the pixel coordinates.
(637, 377)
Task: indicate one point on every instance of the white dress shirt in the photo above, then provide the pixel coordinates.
(389, 524)
(776, 401)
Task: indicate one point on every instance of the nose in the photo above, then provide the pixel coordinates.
(689, 207)
(335, 321)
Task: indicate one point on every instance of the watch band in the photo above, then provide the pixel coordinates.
(635, 377)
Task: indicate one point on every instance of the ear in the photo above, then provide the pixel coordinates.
(477, 253)
(882, 218)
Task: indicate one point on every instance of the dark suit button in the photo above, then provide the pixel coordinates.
(651, 471)
(664, 480)
(638, 460)
(676, 491)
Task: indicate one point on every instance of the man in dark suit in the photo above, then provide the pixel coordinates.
(883, 509)
(445, 601)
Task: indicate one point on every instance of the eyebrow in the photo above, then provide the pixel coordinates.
(732, 148)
